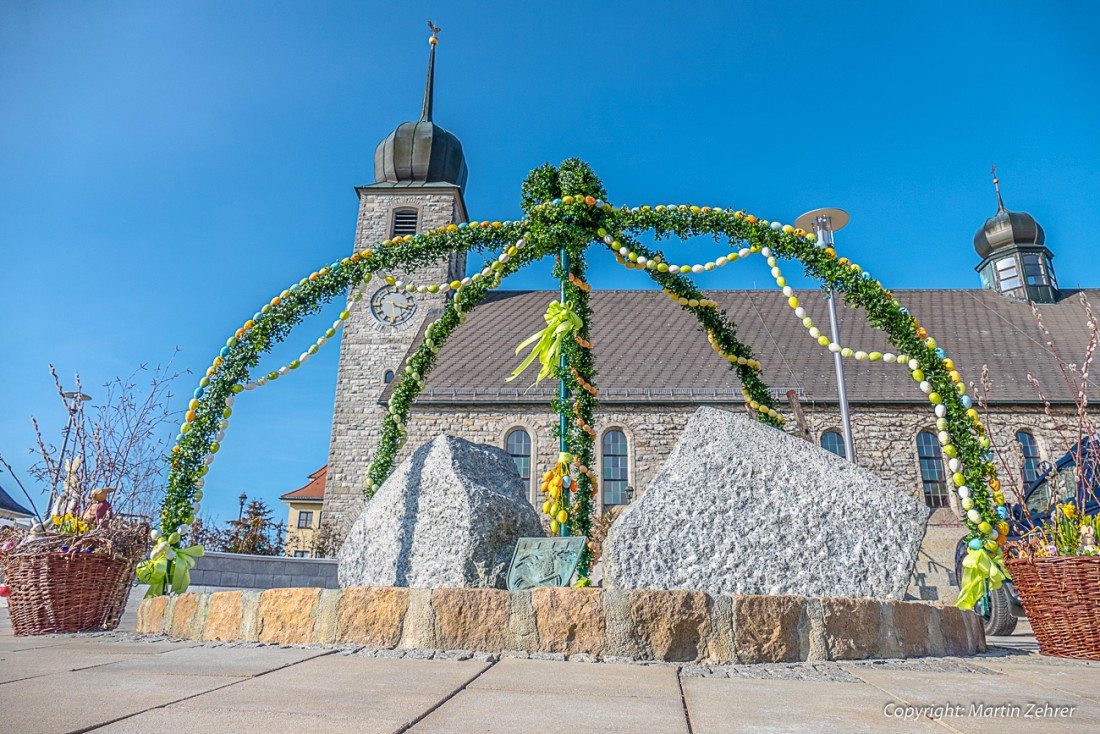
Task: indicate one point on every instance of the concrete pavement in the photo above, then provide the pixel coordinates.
(120, 682)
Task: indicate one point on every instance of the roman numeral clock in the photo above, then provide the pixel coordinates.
(392, 306)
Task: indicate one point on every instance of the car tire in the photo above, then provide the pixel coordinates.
(999, 619)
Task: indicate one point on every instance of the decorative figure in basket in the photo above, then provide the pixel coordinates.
(68, 502)
(1088, 541)
(100, 510)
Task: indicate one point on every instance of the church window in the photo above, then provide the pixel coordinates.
(1008, 275)
(388, 377)
(1033, 270)
(615, 473)
(931, 469)
(834, 442)
(404, 222)
(1050, 272)
(1029, 469)
(518, 446)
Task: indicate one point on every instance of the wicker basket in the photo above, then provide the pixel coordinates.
(67, 592)
(1061, 596)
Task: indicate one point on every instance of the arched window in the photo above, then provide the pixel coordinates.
(833, 441)
(388, 377)
(616, 477)
(518, 446)
(1029, 470)
(405, 222)
(931, 469)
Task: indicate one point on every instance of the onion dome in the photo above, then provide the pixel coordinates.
(1007, 229)
(421, 152)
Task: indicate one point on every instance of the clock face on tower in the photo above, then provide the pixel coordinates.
(392, 306)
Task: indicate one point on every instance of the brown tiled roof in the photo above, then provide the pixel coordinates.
(315, 490)
(648, 349)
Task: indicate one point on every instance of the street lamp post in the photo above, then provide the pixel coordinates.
(823, 223)
(240, 516)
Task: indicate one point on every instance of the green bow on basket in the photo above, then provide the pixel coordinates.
(978, 567)
(561, 321)
(157, 574)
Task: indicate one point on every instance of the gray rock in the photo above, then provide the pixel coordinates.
(741, 508)
(449, 516)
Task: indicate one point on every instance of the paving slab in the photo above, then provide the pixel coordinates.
(516, 674)
(1006, 703)
(572, 710)
(717, 705)
(83, 699)
(110, 645)
(45, 660)
(337, 694)
(11, 643)
(235, 662)
(1076, 678)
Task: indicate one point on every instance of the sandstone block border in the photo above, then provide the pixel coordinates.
(645, 624)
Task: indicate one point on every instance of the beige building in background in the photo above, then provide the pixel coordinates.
(305, 509)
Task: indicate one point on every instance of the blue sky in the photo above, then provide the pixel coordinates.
(165, 168)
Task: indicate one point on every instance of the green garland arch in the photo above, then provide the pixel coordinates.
(565, 213)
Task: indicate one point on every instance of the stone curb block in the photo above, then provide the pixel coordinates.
(643, 624)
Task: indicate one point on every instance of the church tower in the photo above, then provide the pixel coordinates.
(1015, 259)
(419, 179)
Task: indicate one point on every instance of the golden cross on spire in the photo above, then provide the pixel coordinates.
(435, 32)
(997, 186)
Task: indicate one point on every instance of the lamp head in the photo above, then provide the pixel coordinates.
(823, 223)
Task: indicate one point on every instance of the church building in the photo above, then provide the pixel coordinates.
(650, 386)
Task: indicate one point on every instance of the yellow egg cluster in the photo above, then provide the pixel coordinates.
(554, 486)
(751, 363)
(760, 407)
(692, 302)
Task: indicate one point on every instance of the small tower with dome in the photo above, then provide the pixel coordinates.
(1015, 259)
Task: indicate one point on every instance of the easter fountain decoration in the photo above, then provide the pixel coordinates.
(566, 213)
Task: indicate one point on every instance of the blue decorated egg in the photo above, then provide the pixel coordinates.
(966, 402)
(224, 352)
(975, 544)
(198, 392)
(987, 455)
(1002, 512)
(940, 353)
(556, 202)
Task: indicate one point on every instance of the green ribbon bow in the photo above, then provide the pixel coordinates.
(561, 321)
(978, 568)
(156, 572)
(153, 572)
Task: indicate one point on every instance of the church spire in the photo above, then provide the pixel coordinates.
(429, 86)
(996, 185)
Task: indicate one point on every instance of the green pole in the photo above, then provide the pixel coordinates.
(563, 397)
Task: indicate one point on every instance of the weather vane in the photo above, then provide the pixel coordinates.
(435, 32)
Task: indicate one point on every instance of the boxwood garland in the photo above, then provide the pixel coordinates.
(565, 207)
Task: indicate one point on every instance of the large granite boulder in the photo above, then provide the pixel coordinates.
(741, 508)
(449, 516)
